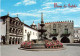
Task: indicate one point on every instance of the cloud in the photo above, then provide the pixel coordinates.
(50, 4)
(46, 7)
(26, 2)
(32, 20)
(79, 5)
(17, 4)
(68, 10)
(1, 10)
(36, 12)
(29, 2)
(60, 10)
(26, 14)
(77, 25)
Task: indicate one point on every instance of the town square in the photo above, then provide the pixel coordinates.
(11, 50)
(35, 28)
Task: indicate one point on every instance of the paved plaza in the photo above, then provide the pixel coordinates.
(12, 50)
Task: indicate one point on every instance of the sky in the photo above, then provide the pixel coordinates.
(30, 10)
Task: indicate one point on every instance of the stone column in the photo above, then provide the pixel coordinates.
(7, 30)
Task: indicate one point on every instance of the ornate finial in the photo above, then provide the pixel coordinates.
(17, 15)
(65, 21)
(33, 21)
(42, 18)
(72, 21)
(8, 14)
(68, 20)
(23, 21)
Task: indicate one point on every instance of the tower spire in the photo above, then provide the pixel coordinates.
(42, 17)
(33, 21)
(17, 15)
(8, 14)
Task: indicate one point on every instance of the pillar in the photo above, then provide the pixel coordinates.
(7, 30)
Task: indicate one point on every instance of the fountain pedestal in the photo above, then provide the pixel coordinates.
(42, 30)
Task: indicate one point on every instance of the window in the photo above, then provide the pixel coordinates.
(16, 30)
(66, 31)
(33, 33)
(16, 23)
(54, 31)
(10, 30)
(74, 31)
(59, 25)
(30, 32)
(78, 31)
(36, 34)
(25, 31)
(13, 22)
(10, 21)
(3, 21)
(54, 25)
(19, 23)
(19, 31)
(13, 30)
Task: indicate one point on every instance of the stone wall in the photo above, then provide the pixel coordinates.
(60, 29)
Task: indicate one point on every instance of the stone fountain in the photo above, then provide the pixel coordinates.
(43, 42)
(42, 31)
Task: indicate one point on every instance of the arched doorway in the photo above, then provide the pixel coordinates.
(54, 38)
(21, 40)
(3, 40)
(10, 40)
(65, 40)
(13, 40)
(16, 41)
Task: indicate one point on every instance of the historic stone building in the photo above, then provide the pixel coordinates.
(62, 30)
(76, 34)
(11, 29)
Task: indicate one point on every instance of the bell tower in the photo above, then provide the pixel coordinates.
(33, 25)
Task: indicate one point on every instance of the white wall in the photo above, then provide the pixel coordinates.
(32, 37)
(2, 29)
(77, 33)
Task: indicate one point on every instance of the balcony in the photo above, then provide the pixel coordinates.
(54, 34)
(65, 34)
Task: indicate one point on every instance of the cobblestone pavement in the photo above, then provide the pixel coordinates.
(12, 50)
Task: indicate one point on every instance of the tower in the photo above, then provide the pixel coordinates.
(33, 25)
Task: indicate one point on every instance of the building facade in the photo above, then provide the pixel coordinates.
(62, 30)
(11, 30)
(76, 34)
(30, 33)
